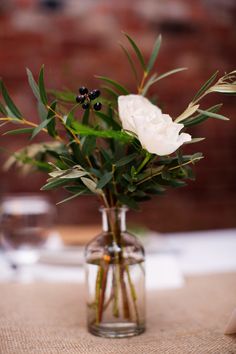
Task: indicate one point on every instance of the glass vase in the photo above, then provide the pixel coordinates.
(115, 276)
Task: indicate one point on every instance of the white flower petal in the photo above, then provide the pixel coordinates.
(156, 131)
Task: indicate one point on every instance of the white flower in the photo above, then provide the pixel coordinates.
(156, 131)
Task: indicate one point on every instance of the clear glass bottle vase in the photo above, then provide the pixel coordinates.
(115, 279)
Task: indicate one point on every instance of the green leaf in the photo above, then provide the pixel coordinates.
(165, 174)
(168, 73)
(153, 79)
(70, 197)
(41, 85)
(196, 157)
(130, 61)
(130, 202)
(86, 131)
(154, 54)
(152, 172)
(125, 160)
(106, 156)
(190, 110)
(77, 154)
(106, 178)
(10, 104)
(67, 161)
(33, 84)
(224, 88)
(35, 89)
(206, 85)
(42, 111)
(40, 127)
(66, 96)
(91, 185)
(3, 109)
(213, 115)
(19, 131)
(114, 83)
(54, 184)
(71, 117)
(73, 174)
(112, 92)
(194, 140)
(190, 173)
(137, 51)
(200, 117)
(89, 145)
(108, 120)
(51, 126)
(77, 188)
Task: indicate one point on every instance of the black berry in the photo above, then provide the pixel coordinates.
(83, 90)
(85, 105)
(80, 99)
(96, 93)
(92, 95)
(97, 106)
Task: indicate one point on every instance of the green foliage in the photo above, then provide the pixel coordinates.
(85, 130)
(201, 117)
(42, 90)
(19, 131)
(89, 153)
(51, 118)
(114, 83)
(40, 127)
(155, 78)
(154, 54)
(9, 102)
(204, 87)
(137, 51)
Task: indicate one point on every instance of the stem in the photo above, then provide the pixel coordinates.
(118, 260)
(126, 309)
(198, 99)
(144, 162)
(119, 269)
(133, 293)
(116, 290)
(97, 293)
(102, 292)
(140, 88)
(113, 179)
(70, 130)
(30, 124)
(63, 123)
(170, 169)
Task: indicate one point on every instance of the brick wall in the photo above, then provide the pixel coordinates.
(80, 41)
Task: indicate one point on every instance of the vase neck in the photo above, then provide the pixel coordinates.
(114, 219)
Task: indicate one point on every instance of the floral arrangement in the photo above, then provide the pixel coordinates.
(119, 146)
(125, 153)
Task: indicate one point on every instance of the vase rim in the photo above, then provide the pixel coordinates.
(103, 208)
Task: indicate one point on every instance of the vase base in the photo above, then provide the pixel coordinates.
(116, 330)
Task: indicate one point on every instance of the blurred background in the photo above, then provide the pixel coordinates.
(78, 39)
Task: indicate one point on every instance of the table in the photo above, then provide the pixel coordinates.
(44, 318)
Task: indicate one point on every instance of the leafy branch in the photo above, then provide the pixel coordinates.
(89, 152)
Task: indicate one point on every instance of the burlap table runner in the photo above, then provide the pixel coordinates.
(50, 318)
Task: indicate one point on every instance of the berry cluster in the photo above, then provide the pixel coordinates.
(85, 97)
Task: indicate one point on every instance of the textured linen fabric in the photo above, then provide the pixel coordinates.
(45, 318)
